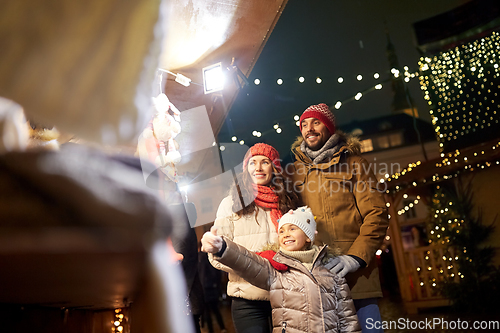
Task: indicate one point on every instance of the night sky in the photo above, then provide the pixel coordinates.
(329, 39)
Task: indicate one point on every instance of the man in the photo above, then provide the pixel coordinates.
(337, 183)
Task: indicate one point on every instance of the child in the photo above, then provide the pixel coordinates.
(305, 295)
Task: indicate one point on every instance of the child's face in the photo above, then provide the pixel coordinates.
(292, 238)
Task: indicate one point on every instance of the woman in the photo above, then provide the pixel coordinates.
(249, 216)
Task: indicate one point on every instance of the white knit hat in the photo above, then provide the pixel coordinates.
(303, 218)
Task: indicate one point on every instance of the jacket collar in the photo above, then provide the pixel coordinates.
(294, 263)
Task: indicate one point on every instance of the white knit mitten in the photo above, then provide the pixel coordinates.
(344, 264)
(210, 242)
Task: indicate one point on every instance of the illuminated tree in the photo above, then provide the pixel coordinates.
(453, 222)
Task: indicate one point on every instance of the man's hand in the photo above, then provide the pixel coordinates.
(210, 242)
(344, 264)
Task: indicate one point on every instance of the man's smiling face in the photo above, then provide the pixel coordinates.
(315, 133)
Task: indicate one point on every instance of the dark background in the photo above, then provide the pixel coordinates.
(329, 39)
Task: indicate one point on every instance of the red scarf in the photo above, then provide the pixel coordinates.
(269, 255)
(266, 198)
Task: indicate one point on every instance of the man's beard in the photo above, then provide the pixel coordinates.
(328, 148)
(315, 147)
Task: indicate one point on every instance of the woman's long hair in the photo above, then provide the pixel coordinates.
(243, 195)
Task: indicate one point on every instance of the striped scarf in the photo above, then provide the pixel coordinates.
(266, 198)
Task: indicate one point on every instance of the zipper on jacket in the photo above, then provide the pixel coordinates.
(283, 327)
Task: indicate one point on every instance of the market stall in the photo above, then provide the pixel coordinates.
(90, 68)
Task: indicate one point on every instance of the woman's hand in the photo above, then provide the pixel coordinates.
(210, 242)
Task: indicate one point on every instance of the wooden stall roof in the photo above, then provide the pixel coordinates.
(201, 33)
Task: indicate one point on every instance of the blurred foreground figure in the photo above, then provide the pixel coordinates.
(86, 67)
(79, 228)
(80, 233)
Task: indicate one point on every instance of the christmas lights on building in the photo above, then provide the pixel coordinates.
(461, 87)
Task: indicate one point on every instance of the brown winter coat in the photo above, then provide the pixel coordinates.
(349, 209)
(303, 301)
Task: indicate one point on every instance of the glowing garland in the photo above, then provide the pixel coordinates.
(359, 77)
(461, 87)
(276, 127)
(452, 223)
(444, 81)
(448, 160)
(407, 208)
(448, 270)
(119, 322)
(447, 220)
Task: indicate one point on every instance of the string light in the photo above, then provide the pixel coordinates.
(437, 269)
(449, 160)
(359, 77)
(412, 204)
(443, 257)
(120, 322)
(340, 79)
(460, 86)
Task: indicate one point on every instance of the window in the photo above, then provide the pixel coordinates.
(384, 126)
(390, 140)
(396, 139)
(383, 142)
(366, 145)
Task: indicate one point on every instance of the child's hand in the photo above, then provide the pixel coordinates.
(210, 242)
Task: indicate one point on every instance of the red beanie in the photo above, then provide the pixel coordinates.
(322, 113)
(265, 150)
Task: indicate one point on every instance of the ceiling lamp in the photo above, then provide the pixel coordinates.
(213, 78)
